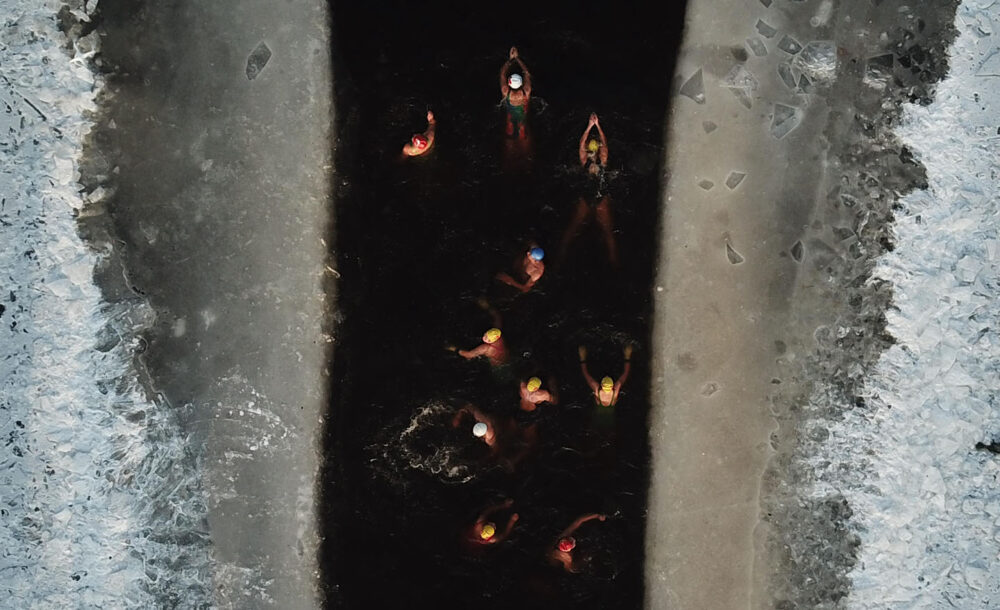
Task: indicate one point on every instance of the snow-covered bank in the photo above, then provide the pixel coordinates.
(926, 502)
(100, 506)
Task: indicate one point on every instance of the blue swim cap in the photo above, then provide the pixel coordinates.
(537, 253)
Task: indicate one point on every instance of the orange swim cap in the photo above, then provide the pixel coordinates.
(492, 335)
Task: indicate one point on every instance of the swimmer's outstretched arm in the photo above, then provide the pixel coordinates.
(489, 510)
(507, 279)
(583, 367)
(470, 409)
(475, 352)
(580, 521)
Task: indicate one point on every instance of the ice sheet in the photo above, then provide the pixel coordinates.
(101, 507)
(926, 499)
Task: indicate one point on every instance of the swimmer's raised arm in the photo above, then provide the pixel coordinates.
(583, 141)
(628, 368)
(510, 525)
(583, 368)
(553, 391)
(497, 320)
(505, 74)
(603, 153)
(431, 124)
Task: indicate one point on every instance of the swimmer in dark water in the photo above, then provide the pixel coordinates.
(492, 347)
(516, 90)
(593, 200)
(530, 267)
(532, 395)
(484, 531)
(421, 143)
(606, 393)
(562, 552)
(484, 428)
(593, 151)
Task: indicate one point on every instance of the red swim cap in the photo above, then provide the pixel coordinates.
(420, 141)
(567, 544)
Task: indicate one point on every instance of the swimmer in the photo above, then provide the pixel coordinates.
(483, 428)
(593, 200)
(562, 552)
(484, 531)
(606, 393)
(532, 395)
(421, 143)
(516, 91)
(530, 267)
(492, 347)
(593, 151)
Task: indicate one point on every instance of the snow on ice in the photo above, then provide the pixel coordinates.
(926, 500)
(99, 496)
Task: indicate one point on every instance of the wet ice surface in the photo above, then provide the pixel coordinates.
(927, 503)
(100, 503)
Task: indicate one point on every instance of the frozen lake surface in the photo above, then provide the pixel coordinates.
(100, 507)
(926, 499)
(103, 488)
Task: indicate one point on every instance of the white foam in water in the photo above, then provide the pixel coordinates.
(926, 502)
(419, 446)
(100, 503)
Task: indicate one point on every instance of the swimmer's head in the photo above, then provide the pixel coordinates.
(607, 384)
(479, 430)
(419, 141)
(491, 336)
(487, 532)
(567, 544)
(515, 81)
(534, 383)
(593, 145)
(536, 253)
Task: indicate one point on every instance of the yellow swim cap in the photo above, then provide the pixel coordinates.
(534, 383)
(492, 335)
(593, 145)
(607, 384)
(487, 532)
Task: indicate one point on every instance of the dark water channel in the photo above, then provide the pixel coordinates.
(420, 240)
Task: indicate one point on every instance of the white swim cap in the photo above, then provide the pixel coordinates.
(515, 81)
(479, 430)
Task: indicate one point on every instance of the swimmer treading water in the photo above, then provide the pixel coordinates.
(509, 438)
